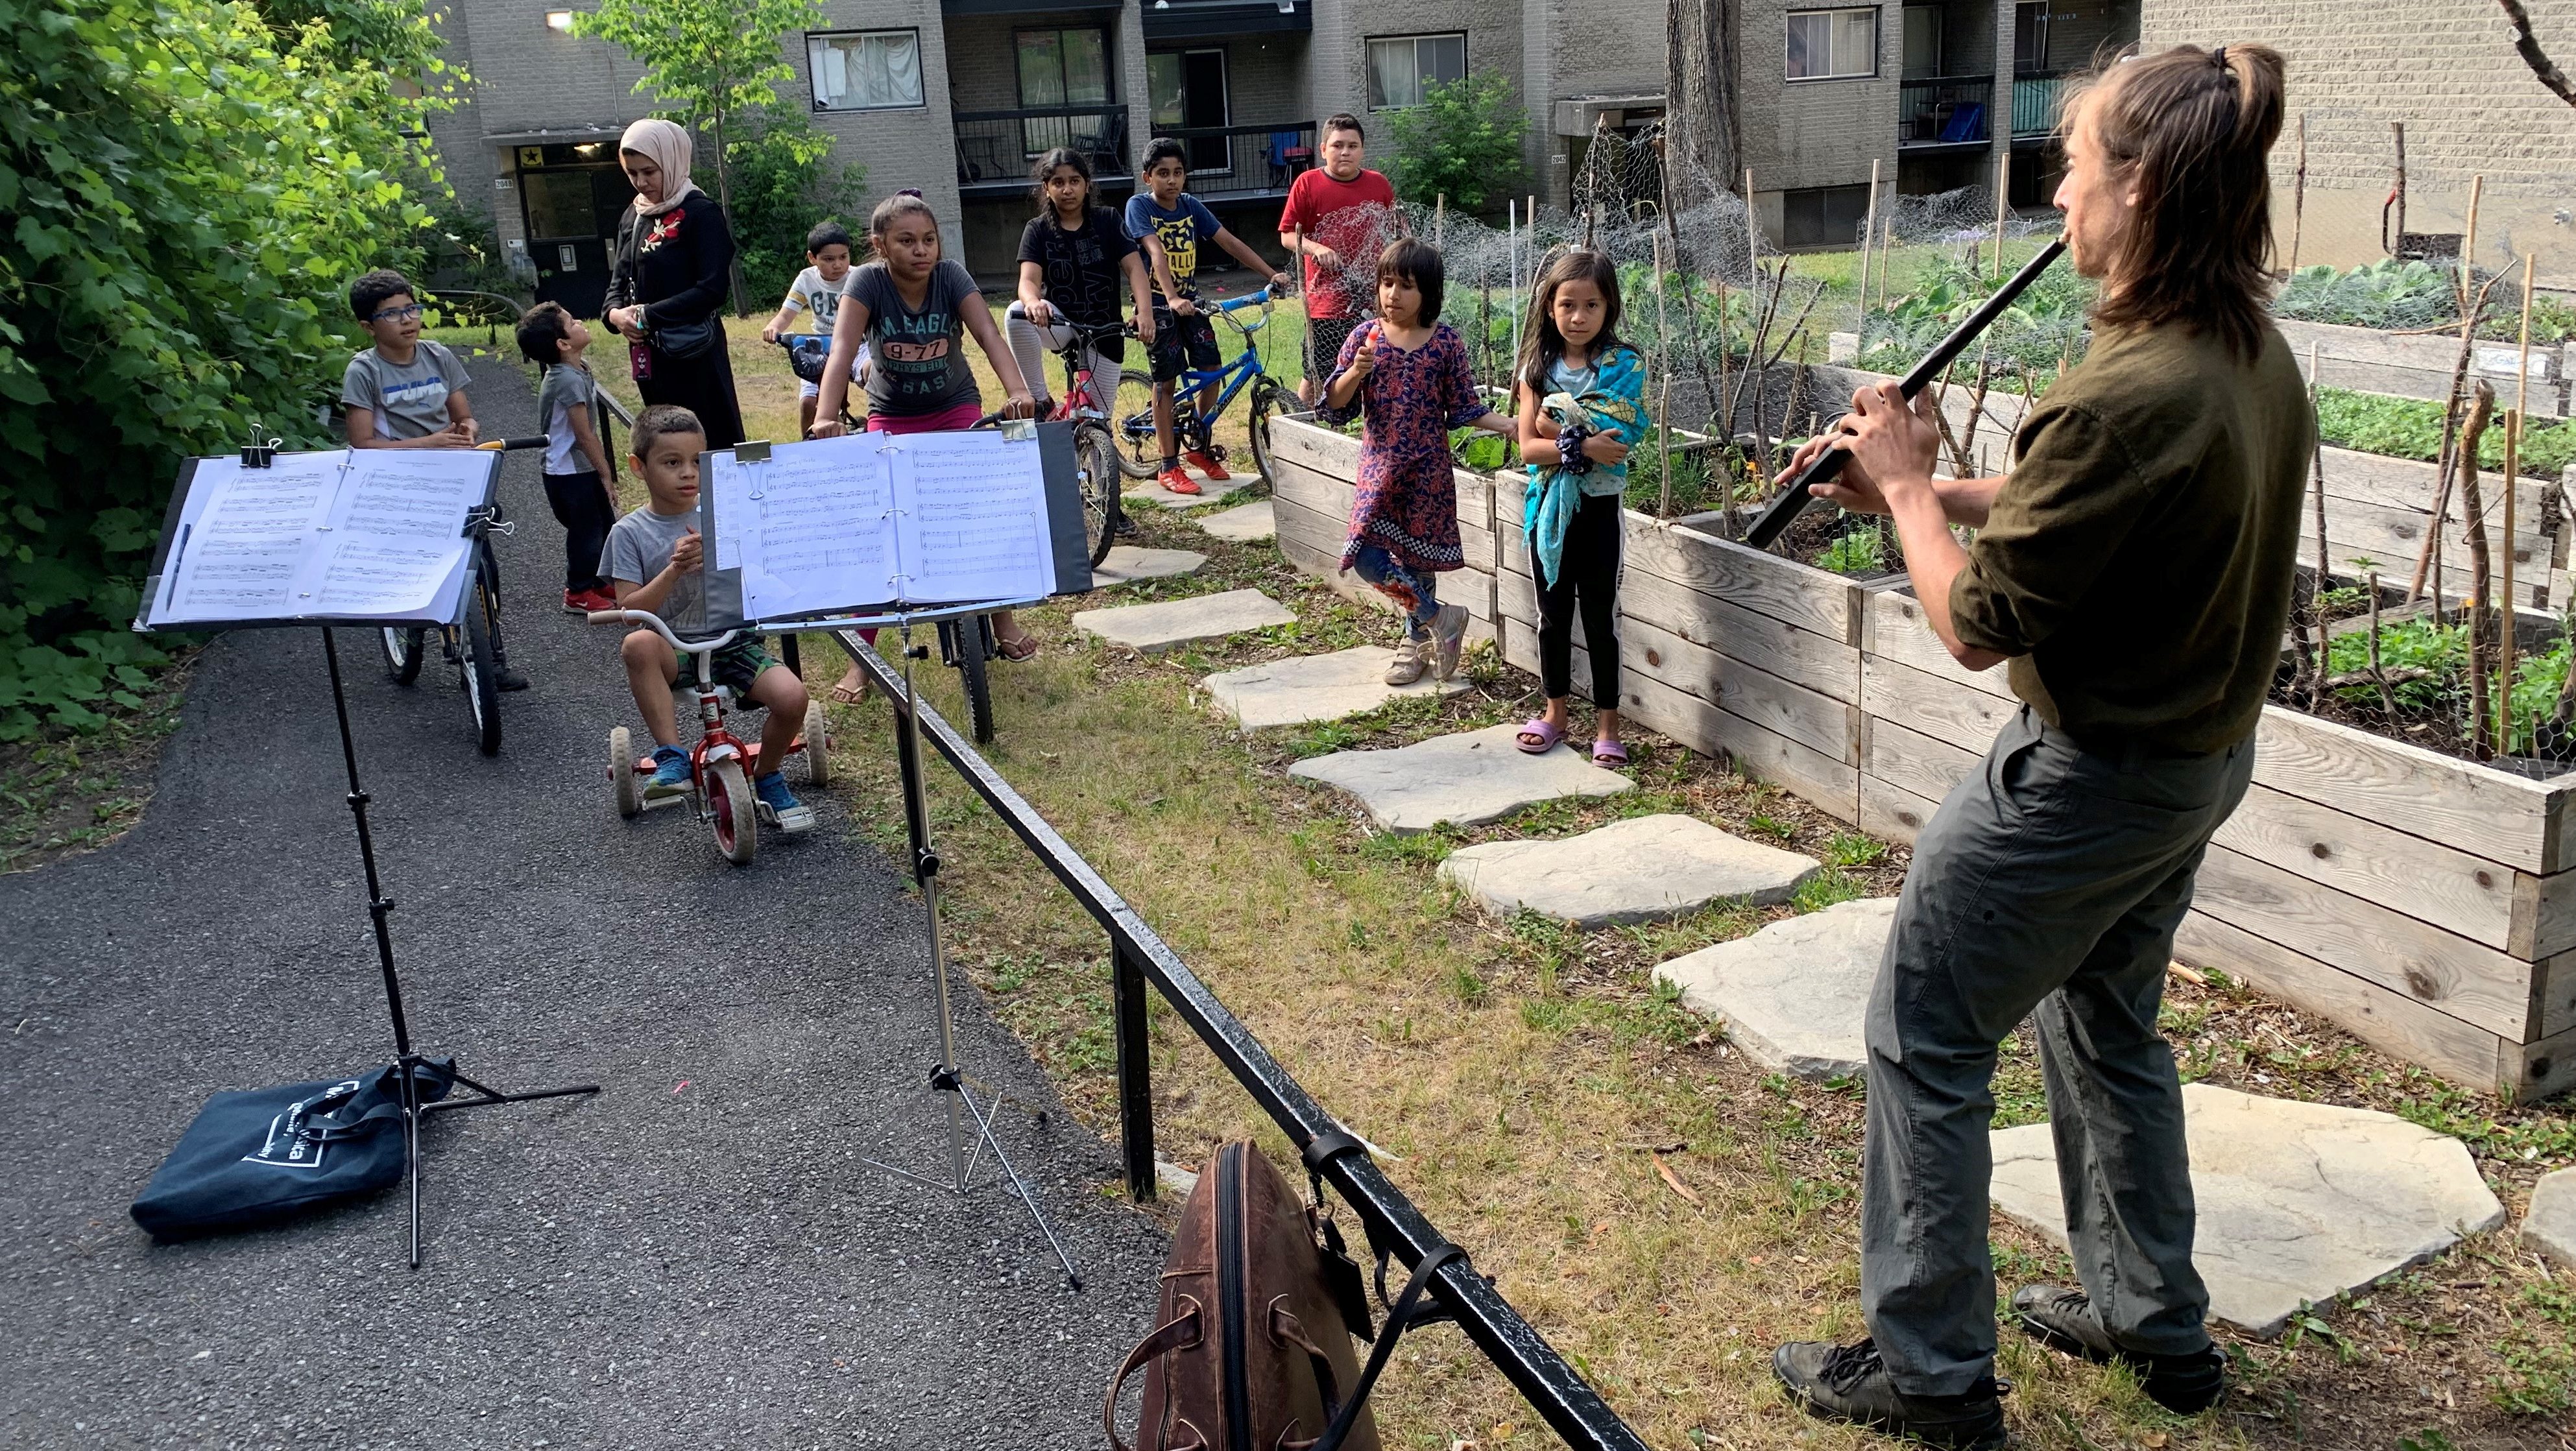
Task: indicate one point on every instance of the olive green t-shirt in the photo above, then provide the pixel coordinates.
(2136, 565)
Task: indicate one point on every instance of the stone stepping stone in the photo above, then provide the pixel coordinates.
(1166, 624)
(1793, 995)
(1243, 524)
(1647, 869)
(1211, 491)
(2550, 1226)
(1127, 564)
(1466, 779)
(1307, 688)
(2298, 1202)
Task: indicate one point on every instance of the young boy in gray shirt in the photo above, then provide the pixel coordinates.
(406, 391)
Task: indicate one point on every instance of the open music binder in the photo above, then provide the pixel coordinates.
(345, 536)
(888, 522)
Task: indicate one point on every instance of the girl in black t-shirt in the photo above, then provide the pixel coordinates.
(1071, 257)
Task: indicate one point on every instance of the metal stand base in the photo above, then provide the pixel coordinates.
(944, 1077)
(380, 907)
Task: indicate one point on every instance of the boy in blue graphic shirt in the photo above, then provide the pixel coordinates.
(1170, 226)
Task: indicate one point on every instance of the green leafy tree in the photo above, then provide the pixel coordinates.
(783, 183)
(1462, 142)
(190, 185)
(709, 62)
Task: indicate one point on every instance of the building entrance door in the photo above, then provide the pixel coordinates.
(573, 204)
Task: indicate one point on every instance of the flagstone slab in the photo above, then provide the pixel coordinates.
(2297, 1202)
(1646, 869)
(1168, 624)
(2550, 1226)
(1211, 491)
(1127, 564)
(1794, 994)
(1306, 688)
(1242, 524)
(1466, 779)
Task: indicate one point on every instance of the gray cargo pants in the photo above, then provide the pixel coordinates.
(2049, 884)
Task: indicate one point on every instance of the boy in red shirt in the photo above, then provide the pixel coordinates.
(1340, 218)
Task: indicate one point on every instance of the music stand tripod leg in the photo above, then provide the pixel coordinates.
(380, 908)
(944, 1077)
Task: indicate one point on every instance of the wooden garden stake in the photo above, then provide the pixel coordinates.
(1886, 256)
(1664, 410)
(2299, 195)
(2472, 307)
(2387, 699)
(2003, 193)
(2481, 727)
(1439, 217)
(2317, 588)
(1868, 235)
(2513, 478)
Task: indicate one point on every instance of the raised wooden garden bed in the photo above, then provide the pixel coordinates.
(2427, 904)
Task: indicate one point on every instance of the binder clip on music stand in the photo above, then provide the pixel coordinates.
(315, 500)
(944, 1076)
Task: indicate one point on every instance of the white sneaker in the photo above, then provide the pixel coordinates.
(1448, 637)
(1406, 667)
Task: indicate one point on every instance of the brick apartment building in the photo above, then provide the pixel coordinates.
(955, 96)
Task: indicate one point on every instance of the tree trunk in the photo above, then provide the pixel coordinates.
(1704, 153)
(724, 198)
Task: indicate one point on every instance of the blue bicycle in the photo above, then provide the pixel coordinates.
(1140, 456)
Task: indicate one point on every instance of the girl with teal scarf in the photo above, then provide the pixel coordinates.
(1582, 408)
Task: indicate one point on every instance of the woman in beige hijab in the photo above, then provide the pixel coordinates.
(672, 274)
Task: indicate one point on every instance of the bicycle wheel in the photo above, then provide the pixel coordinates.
(733, 811)
(621, 772)
(402, 651)
(480, 673)
(1095, 462)
(1131, 415)
(1268, 401)
(974, 647)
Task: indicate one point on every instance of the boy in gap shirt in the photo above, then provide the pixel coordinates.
(1170, 226)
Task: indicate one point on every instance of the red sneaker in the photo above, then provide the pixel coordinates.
(1177, 482)
(585, 601)
(1215, 471)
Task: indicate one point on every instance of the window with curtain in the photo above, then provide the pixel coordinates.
(1402, 67)
(1068, 68)
(1832, 44)
(871, 70)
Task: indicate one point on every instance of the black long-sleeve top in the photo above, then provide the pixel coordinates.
(679, 268)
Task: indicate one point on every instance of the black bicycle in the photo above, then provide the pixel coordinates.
(1085, 403)
(473, 642)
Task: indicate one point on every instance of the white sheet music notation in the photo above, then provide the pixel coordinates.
(869, 521)
(348, 534)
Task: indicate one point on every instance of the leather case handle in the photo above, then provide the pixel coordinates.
(1178, 1333)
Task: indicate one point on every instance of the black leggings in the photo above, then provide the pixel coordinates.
(581, 506)
(1587, 578)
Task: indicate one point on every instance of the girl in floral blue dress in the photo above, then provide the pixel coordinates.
(1407, 371)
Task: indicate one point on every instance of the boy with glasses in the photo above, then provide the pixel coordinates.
(406, 391)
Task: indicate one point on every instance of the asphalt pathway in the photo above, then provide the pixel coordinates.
(695, 1258)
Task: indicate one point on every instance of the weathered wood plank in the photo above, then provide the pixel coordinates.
(2487, 813)
(2537, 1070)
(1766, 584)
(1912, 761)
(2389, 1021)
(2544, 914)
(1944, 709)
(2553, 988)
(2449, 889)
(2467, 980)
(1892, 625)
(1316, 447)
(1891, 811)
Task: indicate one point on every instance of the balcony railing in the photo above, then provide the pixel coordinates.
(1944, 111)
(996, 148)
(1247, 161)
(2035, 103)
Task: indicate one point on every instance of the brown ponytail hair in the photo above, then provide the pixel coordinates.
(2191, 131)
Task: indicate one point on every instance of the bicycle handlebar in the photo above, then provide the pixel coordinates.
(654, 622)
(1249, 299)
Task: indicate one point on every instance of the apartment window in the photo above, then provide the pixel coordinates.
(1068, 68)
(1923, 36)
(866, 70)
(1187, 92)
(1832, 44)
(1823, 216)
(2030, 36)
(1401, 68)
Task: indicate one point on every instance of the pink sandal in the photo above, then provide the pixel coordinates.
(1549, 737)
(1609, 753)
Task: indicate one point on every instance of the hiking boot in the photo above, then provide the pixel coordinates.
(780, 806)
(1850, 1383)
(507, 678)
(670, 774)
(1173, 481)
(1206, 464)
(1406, 667)
(2064, 1319)
(1448, 637)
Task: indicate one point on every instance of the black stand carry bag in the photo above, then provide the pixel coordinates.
(266, 1154)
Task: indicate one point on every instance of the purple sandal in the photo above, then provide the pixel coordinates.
(1549, 737)
(1609, 753)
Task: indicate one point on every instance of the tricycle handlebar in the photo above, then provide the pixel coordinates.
(654, 623)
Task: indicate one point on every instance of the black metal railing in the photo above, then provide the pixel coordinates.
(1240, 160)
(1139, 956)
(996, 148)
(2034, 102)
(1944, 110)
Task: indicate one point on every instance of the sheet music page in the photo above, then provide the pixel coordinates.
(812, 529)
(973, 523)
(244, 535)
(393, 542)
